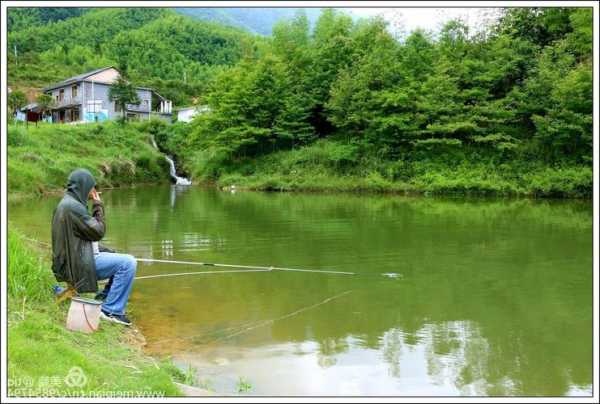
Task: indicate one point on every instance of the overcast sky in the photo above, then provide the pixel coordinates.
(430, 19)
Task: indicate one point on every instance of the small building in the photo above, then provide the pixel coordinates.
(31, 113)
(186, 114)
(84, 98)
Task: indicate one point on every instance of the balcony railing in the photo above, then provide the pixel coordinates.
(58, 103)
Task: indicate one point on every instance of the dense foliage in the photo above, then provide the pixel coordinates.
(23, 17)
(518, 91)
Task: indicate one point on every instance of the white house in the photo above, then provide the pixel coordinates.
(85, 98)
(188, 113)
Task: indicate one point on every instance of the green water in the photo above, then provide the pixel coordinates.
(482, 297)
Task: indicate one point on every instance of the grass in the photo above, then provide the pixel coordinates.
(327, 166)
(190, 376)
(243, 386)
(41, 352)
(40, 158)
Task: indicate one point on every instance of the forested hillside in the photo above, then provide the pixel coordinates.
(250, 19)
(462, 111)
(26, 17)
(507, 109)
(175, 54)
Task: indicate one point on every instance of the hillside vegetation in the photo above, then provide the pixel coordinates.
(346, 104)
(41, 158)
(507, 110)
(26, 17)
(174, 54)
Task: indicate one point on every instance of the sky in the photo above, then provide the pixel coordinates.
(431, 19)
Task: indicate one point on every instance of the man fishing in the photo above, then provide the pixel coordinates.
(77, 256)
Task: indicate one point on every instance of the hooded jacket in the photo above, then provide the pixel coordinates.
(74, 230)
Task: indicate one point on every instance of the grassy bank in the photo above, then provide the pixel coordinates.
(332, 166)
(40, 158)
(41, 352)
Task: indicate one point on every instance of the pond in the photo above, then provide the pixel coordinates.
(450, 296)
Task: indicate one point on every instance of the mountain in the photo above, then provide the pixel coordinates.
(254, 20)
(23, 17)
(154, 47)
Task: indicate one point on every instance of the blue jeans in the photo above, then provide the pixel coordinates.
(122, 268)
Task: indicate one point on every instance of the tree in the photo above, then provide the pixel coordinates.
(16, 100)
(371, 100)
(45, 103)
(122, 93)
(290, 38)
(566, 130)
(292, 123)
(554, 100)
(498, 93)
(538, 25)
(331, 50)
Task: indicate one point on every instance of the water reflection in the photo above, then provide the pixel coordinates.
(481, 297)
(167, 248)
(177, 189)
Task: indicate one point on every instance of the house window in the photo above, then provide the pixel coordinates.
(74, 91)
(61, 95)
(94, 108)
(145, 104)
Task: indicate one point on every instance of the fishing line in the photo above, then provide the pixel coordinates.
(244, 328)
(295, 313)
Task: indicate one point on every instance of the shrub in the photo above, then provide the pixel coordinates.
(572, 181)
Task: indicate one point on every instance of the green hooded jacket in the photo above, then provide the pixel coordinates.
(73, 230)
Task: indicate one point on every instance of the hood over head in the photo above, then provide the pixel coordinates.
(79, 185)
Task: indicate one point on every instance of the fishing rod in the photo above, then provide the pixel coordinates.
(244, 268)
(247, 268)
(137, 278)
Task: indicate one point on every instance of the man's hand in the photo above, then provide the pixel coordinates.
(94, 195)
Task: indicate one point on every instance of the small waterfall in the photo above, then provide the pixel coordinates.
(178, 180)
(172, 171)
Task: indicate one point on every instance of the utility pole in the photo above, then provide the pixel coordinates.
(94, 101)
(16, 56)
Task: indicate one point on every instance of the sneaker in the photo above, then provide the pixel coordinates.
(115, 318)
